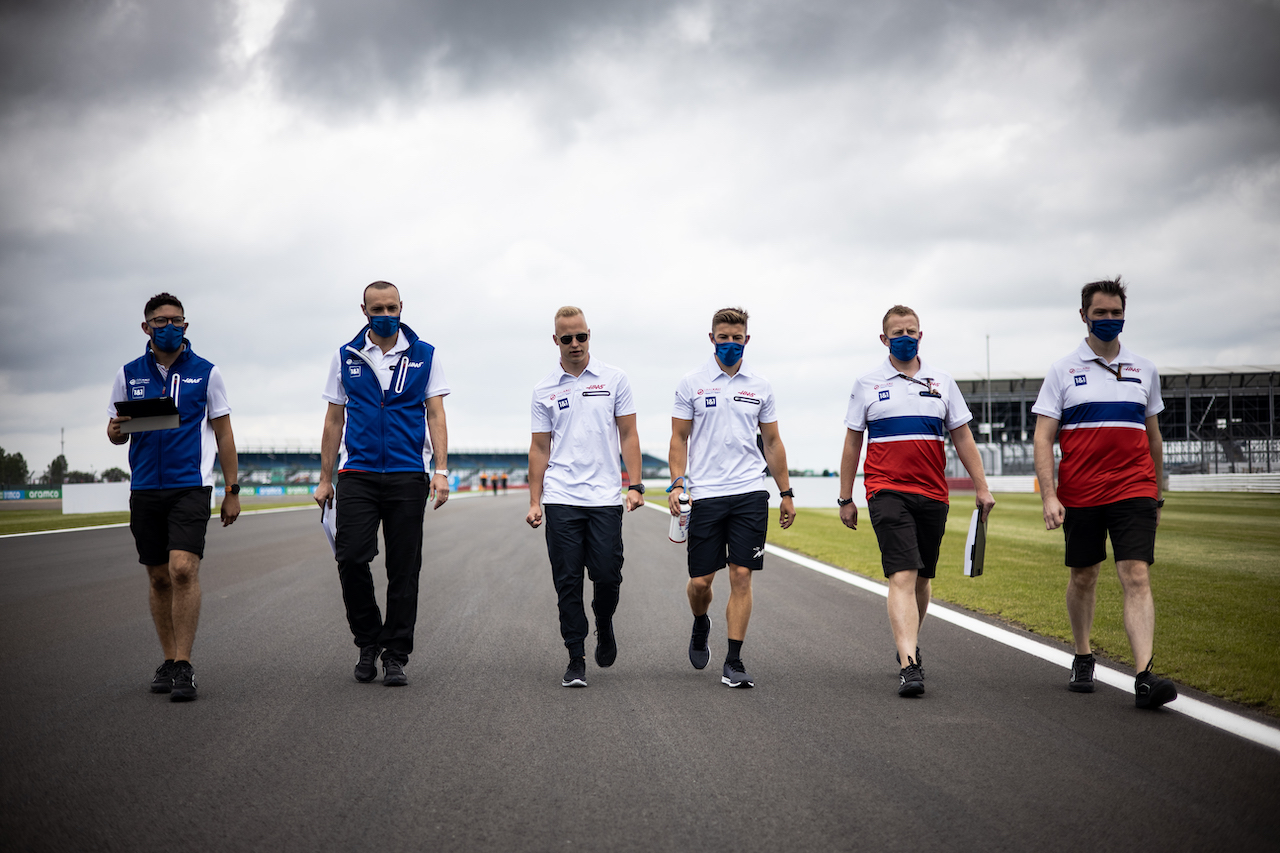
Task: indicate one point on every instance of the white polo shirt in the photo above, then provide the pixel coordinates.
(1102, 425)
(907, 421)
(581, 414)
(726, 412)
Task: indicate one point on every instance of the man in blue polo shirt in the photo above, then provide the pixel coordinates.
(386, 393)
(714, 457)
(172, 480)
(582, 417)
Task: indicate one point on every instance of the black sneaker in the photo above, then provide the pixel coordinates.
(699, 651)
(606, 644)
(1082, 674)
(163, 681)
(576, 674)
(919, 661)
(1151, 692)
(393, 673)
(367, 666)
(735, 675)
(184, 682)
(912, 679)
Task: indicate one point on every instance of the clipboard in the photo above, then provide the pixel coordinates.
(147, 415)
(329, 522)
(975, 547)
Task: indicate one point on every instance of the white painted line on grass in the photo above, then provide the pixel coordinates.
(1251, 730)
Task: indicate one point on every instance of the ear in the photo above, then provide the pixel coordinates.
(884, 340)
(146, 328)
(746, 340)
(711, 336)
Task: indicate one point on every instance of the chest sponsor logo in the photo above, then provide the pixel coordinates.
(1082, 379)
(884, 395)
(415, 364)
(138, 392)
(195, 381)
(710, 402)
(563, 403)
(139, 381)
(353, 369)
(744, 399)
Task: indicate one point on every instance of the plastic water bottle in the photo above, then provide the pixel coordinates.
(680, 523)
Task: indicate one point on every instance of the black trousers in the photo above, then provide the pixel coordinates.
(584, 539)
(397, 501)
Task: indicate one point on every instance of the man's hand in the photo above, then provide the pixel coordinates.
(1054, 513)
(786, 513)
(230, 509)
(673, 499)
(534, 518)
(849, 516)
(440, 489)
(635, 500)
(114, 435)
(324, 494)
(985, 502)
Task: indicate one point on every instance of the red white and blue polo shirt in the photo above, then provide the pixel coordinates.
(907, 420)
(1102, 425)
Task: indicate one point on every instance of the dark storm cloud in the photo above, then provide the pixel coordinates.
(76, 52)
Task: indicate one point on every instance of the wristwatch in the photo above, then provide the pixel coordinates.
(233, 489)
(843, 501)
(639, 487)
(789, 493)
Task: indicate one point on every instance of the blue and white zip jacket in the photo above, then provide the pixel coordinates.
(385, 395)
(173, 458)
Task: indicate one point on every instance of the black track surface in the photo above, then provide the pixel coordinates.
(484, 751)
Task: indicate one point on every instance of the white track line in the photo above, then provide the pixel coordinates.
(1221, 718)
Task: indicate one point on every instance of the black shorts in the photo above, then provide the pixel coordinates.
(726, 530)
(1131, 524)
(909, 528)
(164, 520)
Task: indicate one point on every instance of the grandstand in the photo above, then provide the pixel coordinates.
(1217, 420)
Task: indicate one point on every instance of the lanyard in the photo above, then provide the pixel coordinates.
(1116, 371)
(928, 389)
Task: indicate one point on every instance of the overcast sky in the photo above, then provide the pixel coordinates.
(814, 162)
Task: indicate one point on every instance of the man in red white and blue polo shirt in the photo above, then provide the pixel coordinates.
(905, 409)
(1102, 404)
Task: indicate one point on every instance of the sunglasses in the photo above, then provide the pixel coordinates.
(581, 337)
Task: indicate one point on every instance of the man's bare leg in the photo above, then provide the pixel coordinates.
(184, 575)
(1082, 591)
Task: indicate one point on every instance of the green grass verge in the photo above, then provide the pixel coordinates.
(31, 521)
(1216, 583)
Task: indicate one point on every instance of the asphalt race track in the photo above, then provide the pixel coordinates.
(484, 751)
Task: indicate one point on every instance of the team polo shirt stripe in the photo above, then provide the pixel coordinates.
(726, 412)
(1104, 415)
(1102, 426)
(906, 423)
(581, 414)
(906, 427)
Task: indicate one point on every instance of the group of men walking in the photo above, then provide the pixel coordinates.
(385, 432)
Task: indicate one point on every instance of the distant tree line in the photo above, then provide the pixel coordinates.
(14, 472)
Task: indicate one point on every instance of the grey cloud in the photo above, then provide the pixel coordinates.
(69, 53)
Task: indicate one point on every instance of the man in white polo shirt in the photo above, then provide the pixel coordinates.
(1102, 404)
(907, 408)
(715, 459)
(582, 416)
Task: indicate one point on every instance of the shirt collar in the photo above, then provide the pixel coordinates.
(1087, 355)
(590, 368)
(401, 344)
(715, 371)
(888, 371)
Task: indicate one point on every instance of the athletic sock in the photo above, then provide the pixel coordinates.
(735, 651)
(702, 623)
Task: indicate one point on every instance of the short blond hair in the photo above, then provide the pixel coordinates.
(569, 311)
(897, 311)
(730, 317)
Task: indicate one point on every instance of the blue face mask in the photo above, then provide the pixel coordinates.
(1106, 330)
(168, 338)
(729, 353)
(904, 347)
(384, 325)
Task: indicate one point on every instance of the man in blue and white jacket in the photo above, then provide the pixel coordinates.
(172, 480)
(384, 428)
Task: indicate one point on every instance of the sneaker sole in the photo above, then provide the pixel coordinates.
(724, 680)
(911, 688)
(577, 682)
(182, 695)
(367, 679)
(1080, 686)
(161, 688)
(1162, 695)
